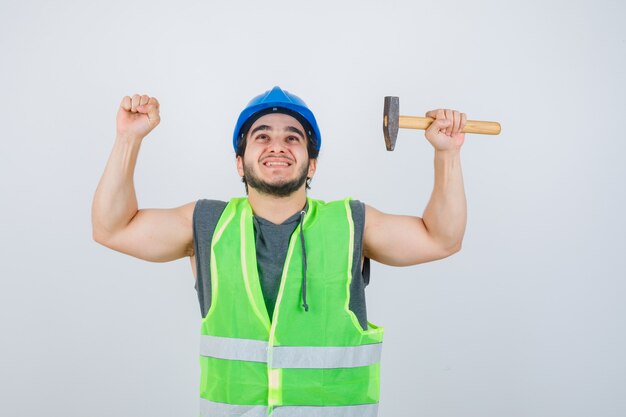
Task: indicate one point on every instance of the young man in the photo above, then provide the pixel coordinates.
(280, 276)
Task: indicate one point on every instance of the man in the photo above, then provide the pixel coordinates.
(280, 276)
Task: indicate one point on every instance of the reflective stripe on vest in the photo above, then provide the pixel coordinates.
(325, 357)
(290, 356)
(233, 349)
(213, 409)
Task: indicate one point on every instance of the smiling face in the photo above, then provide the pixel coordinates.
(276, 161)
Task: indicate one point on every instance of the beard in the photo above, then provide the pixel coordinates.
(281, 188)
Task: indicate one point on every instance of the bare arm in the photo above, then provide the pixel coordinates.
(409, 240)
(157, 235)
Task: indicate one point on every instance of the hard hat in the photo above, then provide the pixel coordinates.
(277, 100)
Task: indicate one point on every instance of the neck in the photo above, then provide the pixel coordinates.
(276, 209)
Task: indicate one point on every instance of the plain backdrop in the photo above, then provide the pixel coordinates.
(527, 320)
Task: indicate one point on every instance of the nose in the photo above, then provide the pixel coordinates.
(276, 146)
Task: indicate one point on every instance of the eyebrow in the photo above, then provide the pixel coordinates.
(292, 129)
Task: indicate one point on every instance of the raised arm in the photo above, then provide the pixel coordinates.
(409, 240)
(157, 235)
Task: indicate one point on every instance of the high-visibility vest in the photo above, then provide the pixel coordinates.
(318, 362)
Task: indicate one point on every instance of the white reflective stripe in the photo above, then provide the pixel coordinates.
(363, 410)
(212, 409)
(290, 356)
(233, 349)
(325, 356)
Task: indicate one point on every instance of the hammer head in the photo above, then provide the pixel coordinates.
(391, 116)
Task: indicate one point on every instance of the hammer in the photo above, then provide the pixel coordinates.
(392, 121)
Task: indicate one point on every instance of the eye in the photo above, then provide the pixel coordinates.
(261, 137)
(293, 139)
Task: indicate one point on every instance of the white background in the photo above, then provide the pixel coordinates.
(527, 320)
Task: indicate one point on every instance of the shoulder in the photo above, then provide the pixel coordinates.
(206, 206)
(357, 207)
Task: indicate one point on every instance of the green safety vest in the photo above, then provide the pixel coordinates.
(315, 363)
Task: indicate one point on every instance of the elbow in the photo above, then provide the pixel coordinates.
(450, 248)
(99, 237)
(455, 248)
(95, 236)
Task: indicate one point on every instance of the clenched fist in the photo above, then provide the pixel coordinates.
(137, 116)
(445, 132)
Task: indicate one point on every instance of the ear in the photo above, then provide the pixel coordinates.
(312, 167)
(240, 166)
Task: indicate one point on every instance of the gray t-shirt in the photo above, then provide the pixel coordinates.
(272, 241)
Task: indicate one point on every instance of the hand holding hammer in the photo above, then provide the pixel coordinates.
(454, 123)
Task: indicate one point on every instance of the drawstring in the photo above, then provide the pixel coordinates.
(304, 304)
(257, 227)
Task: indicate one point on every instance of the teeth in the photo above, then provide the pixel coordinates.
(271, 164)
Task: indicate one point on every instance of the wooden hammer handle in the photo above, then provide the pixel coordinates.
(471, 126)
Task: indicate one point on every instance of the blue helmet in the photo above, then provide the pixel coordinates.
(279, 101)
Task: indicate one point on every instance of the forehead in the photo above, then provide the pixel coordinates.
(277, 121)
